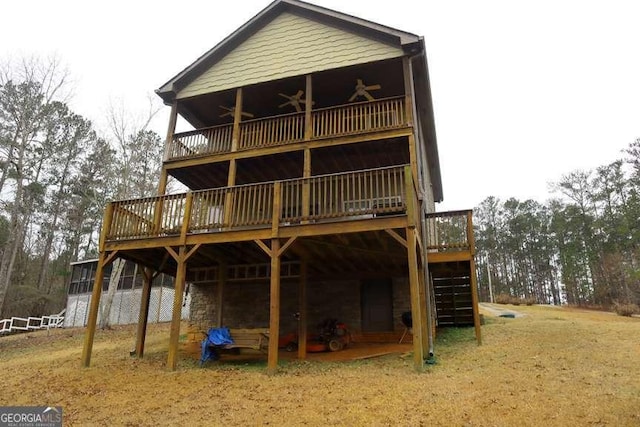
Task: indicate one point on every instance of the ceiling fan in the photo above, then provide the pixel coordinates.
(362, 90)
(231, 112)
(295, 101)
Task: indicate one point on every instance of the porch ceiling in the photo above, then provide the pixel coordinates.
(326, 160)
(330, 88)
(367, 254)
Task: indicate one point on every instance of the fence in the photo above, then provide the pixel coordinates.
(125, 308)
(22, 324)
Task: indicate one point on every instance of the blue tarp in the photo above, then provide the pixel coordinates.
(215, 337)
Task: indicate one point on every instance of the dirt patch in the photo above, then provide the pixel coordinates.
(551, 367)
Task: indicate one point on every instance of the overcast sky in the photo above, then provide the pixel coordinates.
(524, 91)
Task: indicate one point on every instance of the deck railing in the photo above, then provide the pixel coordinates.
(353, 195)
(449, 231)
(360, 117)
(356, 194)
(199, 142)
(328, 122)
(270, 131)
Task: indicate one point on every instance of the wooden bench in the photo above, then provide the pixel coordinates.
(255, 338)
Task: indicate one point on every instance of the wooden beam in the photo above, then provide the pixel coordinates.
(274, 307)
(173, 253)
(302, 311)
(398, 238)
(162, 185)
(286, 148)
(286, 245)
(228, 197)
(192, 251)
(264, 247)
(93, 310)
(186, 218)
(308, 106)
(409, 109)
(414, 288)
(173, 118)
(277, 209)
(110, 257)
(423, 309)
(144, 311)
(237, 117)
(474, 300)
(174, 337)
(222, 280)
(306, 187)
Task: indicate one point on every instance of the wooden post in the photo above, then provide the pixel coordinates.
(277, 208)
(308, 106)
(237, 117)
(97, 287)
(147, 278)
(173, 118)
(228, 198)
(93, 312)
(222, 279)
(162, 185)
(274, 307)
(174, 337)
(302, 319)
(306, 188)
(423, 309)
(409, 114)
(472, 275)
(186, 219)
(416, 309)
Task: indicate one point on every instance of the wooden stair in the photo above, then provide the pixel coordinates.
(452, 290)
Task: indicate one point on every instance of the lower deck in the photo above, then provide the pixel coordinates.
(365, 271)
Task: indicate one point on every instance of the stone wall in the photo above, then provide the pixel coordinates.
(246, 305)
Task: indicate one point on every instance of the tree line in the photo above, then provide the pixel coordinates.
(581, 247)
(56, 174)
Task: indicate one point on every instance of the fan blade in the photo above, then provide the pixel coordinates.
(284, 95)
(299, 94)
(226, 108)
(353, 97)
(284, 104)
(373, 87)
(297, 106)
(246, 114)
(360, 82)
(368, 96)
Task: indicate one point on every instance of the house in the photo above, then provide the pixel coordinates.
(127, 297)
(313, 174)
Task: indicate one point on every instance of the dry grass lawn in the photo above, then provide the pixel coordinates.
(552, 367)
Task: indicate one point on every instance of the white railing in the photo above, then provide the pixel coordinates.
(23, 324)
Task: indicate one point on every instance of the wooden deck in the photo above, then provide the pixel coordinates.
(333, 122)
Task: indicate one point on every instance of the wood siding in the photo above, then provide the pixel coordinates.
(288, 46)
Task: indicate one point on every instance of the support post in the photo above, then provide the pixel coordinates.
(147, 278)
(228, 198)
(473, 277)
(174, 337)
(410, 116)
(93, 312)
(306, 188)
(274, 307)
(302, 319)
(237, 117)
(424, 322)
(97, 287)
(173, 118)
(308, 105)
(222, 279)
(416, 309)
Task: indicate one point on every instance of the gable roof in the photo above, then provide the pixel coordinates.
(383, 34)
(410, 44)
